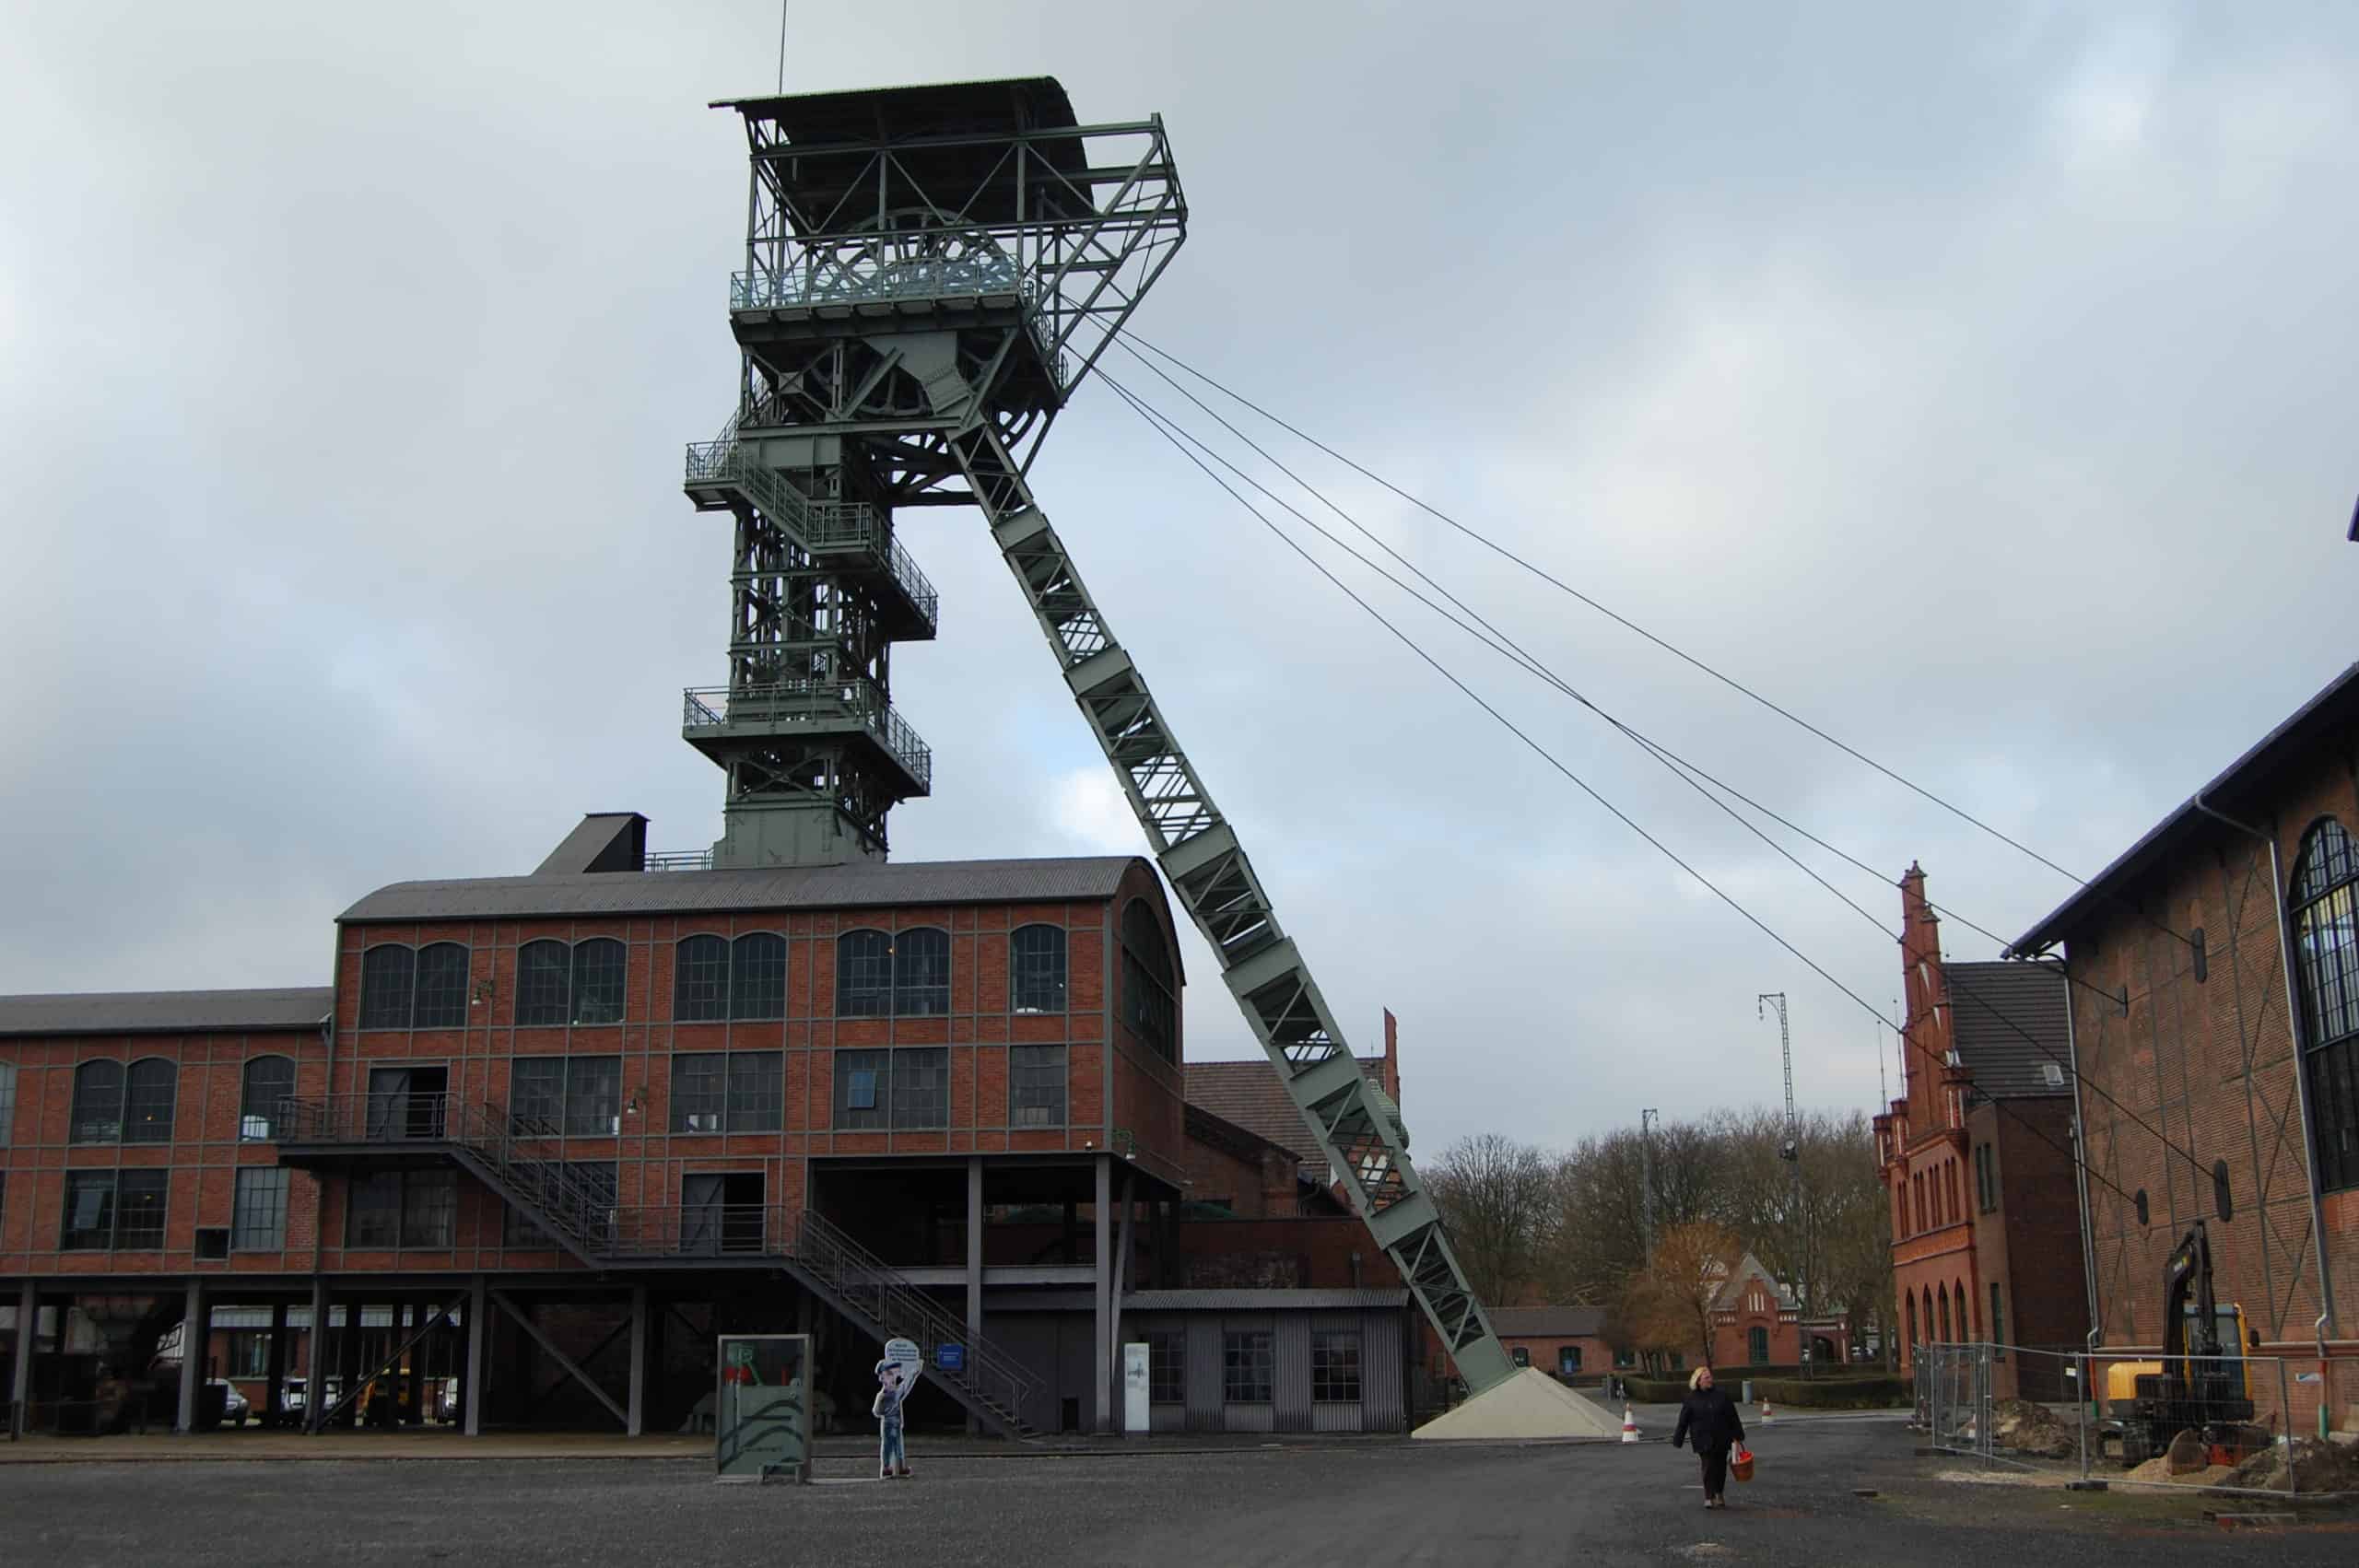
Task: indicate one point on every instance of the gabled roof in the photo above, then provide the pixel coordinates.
(1249, 1094)
(2336, 705)
(869, 884)
(1747, 1269)
(165, 1012)
(1549, 1322)
(2011, 1023)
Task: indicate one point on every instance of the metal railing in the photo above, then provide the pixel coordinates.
(705, 1230)
(870, 1289)
(514, 1149)
(833, 281)
(680, 860)
(811, 701)
(824, 527)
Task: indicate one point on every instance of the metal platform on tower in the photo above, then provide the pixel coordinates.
(930, 274)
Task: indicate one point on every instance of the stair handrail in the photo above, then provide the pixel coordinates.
(859, 1276)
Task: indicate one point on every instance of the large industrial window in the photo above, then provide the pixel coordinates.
(757, 976)
(2326, 953)
(1245, 1368)
(1756, 1345)
(1148, 985)
(580, 1096)
(98, 1103)
(556, 985)
(862, 1090)
(268, 1083)
(864, 975)
(1335, 1366)
(1036, 1085)
(1568, 1359)
(1036, 969)
(700, 979)
(922, 974)
(114, 1104)
(403, 1209)
(903, 1089)
(114, 1211)
(258, 1216)
(732, 1091)
(1167, 1367)
(249, 1352)
(420, 988)
(8, 1100)
(922, 1087)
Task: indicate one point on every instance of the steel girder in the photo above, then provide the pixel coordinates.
(1358, 1128)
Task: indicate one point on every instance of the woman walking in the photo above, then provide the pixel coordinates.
(1710, 1416)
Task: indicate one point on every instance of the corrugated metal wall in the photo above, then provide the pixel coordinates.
(1290, 1386)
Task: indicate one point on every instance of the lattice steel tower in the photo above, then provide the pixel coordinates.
(930, 274)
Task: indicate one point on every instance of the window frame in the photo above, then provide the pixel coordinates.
(922, 992)
(408, 1006)
(1336, 1380)
(1150, 993)
(874, 990)
(750, 958)
(711, 1010)
(1038, 982)
(1166, 1366)
(87, 1103)
(734, 1077)
(404, 1211)
(1248, 1364)
(260, 1212)
(848, 1062)
(8, 1102)
(248, 1115)
(1027, 1066)
(2322, 928)
(156, 1184)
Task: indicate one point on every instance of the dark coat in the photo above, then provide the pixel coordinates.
(1709, 1417)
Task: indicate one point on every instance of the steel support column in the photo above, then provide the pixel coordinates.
(20, 1374)
(974, 1262)
(477, 1312)
(1122, 1283)
(315, 1358)
(635, 1423)
(1102, 1272)
(193, 1348)
(273, 1394)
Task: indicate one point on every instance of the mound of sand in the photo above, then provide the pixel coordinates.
(2317, 1468)
(1528, 1406)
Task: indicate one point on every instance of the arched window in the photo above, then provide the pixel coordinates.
(441, 987)
(1912, 1318)
(269, 1081)
(98, 1103)
(1943, 1297)
(1965, 1304)
(700, 979)
(1899, 1206)
(921, 973)
(2324, 911)
(1150, 1003)
(598, 981)
(147, 1101)
(757, 975)
(864, 975)
(8, 1100)
(544, 983)
(422, 989)
(1036, 969)
(388, 977)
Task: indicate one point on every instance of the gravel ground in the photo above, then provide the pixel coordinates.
(1399, 1505)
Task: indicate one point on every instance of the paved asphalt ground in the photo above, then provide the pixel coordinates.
(1367, 1505)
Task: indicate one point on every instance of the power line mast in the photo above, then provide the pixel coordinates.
(1646, 1118)
(929, 274)
(1792, 1153)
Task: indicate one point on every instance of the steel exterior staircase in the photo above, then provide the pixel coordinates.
(507, 1154)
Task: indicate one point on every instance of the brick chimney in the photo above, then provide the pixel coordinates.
(1927, 1036)
(1391, 1077)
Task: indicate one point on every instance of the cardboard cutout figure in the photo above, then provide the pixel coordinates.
(892, 1457)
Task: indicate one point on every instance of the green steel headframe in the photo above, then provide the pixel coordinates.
(930, 274)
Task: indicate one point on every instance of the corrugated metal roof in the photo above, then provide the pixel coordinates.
(1260, 1301)
(866, 885)
(2337, 703)
(1549, 1322)
(1249, 1094)
(2012, 1022)
(160, 1013)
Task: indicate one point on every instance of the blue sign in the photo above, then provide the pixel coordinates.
(950, 1358)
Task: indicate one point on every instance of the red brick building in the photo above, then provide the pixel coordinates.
(2216, 1018)
(1756, 1322)
(1977, 1153)
(1569, 1342)
(570, 1124)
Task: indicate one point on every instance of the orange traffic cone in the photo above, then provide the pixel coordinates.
(1768, 1416)
(1629, 1425)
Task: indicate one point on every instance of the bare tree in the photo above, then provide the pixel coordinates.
(1496, 1199)
(1670, 1301)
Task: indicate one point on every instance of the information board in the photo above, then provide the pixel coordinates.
(761, 1408)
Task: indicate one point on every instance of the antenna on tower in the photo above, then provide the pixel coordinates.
(781, 45)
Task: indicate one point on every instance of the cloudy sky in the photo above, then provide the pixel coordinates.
(1982, 391)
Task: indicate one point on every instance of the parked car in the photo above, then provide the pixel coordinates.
(235, 1408)
(293, 1394)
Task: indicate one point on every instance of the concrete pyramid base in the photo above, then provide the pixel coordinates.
(1530, 1405)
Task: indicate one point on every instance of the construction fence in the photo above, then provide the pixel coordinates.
(2239, 1423)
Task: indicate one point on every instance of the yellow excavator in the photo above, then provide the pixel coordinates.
(2202, 1382)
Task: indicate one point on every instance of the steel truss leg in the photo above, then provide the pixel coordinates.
(1358, 1130)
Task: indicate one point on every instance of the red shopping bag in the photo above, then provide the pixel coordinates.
(1740, 1464)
